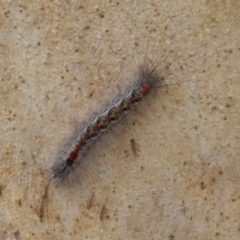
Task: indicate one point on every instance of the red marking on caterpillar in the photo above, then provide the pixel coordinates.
(68, 161)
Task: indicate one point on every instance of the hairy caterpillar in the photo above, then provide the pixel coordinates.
(149, 77)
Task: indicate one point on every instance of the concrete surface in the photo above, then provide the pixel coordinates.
(168, 171)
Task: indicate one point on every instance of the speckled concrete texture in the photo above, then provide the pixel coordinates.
(170, 170)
